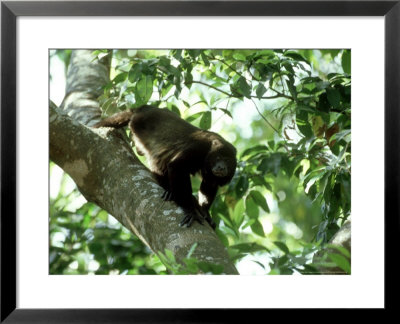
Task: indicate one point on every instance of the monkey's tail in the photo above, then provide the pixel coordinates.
(117, 120)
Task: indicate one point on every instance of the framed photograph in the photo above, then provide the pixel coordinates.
(160, 158)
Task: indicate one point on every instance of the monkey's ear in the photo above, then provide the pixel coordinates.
(216, 143)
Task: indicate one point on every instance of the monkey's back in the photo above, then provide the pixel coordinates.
(162, 136)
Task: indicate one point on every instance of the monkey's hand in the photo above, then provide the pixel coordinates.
(197, 213)
(206, 215)
(190, 216)
(167, 195)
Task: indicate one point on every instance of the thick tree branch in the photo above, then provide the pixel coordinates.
(342, 238)
(108, 173)
(85, 79)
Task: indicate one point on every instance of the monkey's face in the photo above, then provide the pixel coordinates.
(219, 168)
(220, 163)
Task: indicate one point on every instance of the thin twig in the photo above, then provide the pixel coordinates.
(212, 87)
(266, 120)
(234, 96)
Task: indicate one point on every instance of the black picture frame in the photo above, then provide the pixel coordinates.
(390, 10)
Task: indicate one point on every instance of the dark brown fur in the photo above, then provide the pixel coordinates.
(175, 149)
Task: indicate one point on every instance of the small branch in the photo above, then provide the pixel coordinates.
(233, 96)
(279, 94)
(229, 66)
(212, 87)
(266, 120)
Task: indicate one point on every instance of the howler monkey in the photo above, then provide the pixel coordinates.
(175, 149)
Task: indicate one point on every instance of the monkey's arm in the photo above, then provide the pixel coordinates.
(180, 191)
(208, 191)
(117, 120)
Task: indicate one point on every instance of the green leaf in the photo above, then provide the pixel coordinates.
(248, 247)
(259, 263)
(194, 117)
(205, 59)
(323, 182)
(343, 135)
(282, 261)
(226, 111)
(307, 80)
(226, 221)
(312, 179)
(239, 56)
(188, 79)
(207, 267)
(227, 53)
(135, 72)
(308, 269)
(175, 72)
(238, 213)
(303, 124)
(174, 109)
(260, 200)
(296, 56)
(291, 87)
(271, 164)
(340, 261)
(222, 236)
(346, 61)
(144, 89)
(120, 78)
(194, 53)
(164, 88)
(288, 66)
(165, 62)
(341, 249)
(267, 53)
(241, 186)
(259, 180)
(191, 250)
(251, 208)
(205, 121)
(333, 97)
(274, 272)
(177, 54)
(244, 87)
(249, 223)
(170, 255)
(331, 52)
(257, 148)
(260, 90)
(103, 215)
(257, 228)
(282, 246)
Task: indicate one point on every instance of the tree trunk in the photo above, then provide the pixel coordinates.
(108, 173)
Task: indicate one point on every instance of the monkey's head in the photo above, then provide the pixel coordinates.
(220, 164)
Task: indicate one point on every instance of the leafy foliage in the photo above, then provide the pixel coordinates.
(85, 239)
(190, 264)
(289, 114)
